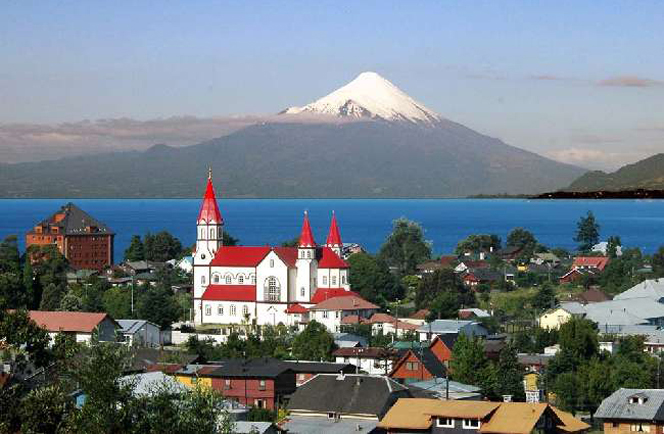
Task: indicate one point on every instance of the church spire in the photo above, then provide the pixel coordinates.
(306, 237)
(333, 237)
(209, 212)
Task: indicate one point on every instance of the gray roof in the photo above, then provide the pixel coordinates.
(318, 425)
(480, 313)
(148, 383)
(440, 326)
(573, 307)
(642, 307)
(242, 427)
(350, 394)
(653, 289)
(618, 406)
(76, 221)
(440, 385)
(131, 326)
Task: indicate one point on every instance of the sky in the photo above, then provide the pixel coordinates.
(578, 81)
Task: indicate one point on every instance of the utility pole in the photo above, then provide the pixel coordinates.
(132, 295)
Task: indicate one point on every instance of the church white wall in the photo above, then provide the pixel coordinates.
(271, 266)
(236, 275)
(227, 312)
(201, 280)
(333, 278)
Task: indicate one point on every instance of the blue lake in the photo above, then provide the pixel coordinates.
(640, 223)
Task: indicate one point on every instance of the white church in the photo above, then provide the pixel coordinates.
(270, 285)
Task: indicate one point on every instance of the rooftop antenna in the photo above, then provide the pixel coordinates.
(209, 173)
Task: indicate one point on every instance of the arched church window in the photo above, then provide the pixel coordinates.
(272, 289)
(240, 279)
(202, 280)
(308, 254)
(215, 278)
(212, 234)
(324, 280)
(202, 234)
(228, 279)
(220, 310)
(334, 281)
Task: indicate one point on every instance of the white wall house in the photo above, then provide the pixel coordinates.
(80, 325)
(140, 332)
(335, 312)
(373, 361)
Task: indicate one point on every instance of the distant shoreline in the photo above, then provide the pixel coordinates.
(603, 194)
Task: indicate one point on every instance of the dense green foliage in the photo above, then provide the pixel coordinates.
(405, 247)
(313, 343)
(443, 293)
(478, 243)
(371, 278)
(587, 232)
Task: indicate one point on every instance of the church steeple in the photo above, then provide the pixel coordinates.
(209, 212)
(209, 226)
(306, 236)
(334, 237)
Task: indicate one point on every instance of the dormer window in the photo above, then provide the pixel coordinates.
(640, 400)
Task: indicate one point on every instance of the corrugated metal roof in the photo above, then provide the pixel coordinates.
(618, 405)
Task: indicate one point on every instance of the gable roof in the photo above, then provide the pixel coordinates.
(365, 352)
(420, 314)
(354, 394)
(131, 326)
(593, 295)
(516, 418)
(230, 293)
(652, 288)
(598, 262)
(352, 302)
(329, 259)
(617, 405)
(323, 294)
(296, 308)
(81, 322)
(263, 367)
(427, 358)
(74, 221)
(240, 256)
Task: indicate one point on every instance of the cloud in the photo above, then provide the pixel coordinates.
(595, 158)
(629, 81)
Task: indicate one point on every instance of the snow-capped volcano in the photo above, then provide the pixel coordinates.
(370, 96)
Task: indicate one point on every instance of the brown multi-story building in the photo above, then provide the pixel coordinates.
(86, 242)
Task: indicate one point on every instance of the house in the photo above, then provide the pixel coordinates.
(622, 312)
(253, 427)
(652, 288)
(554, 318)
(421, 415)
(80, 276)
(632, 410)
(349, 340)
(576, 274)
(592, 295)
(371, 360)
(443, 388)
(86, 242)
(534, 362)
(140, 332)
(509, 253)
(305, 370)
(80, 325)
(481, 276)
(547, 258)
(597, 263)
(296, 314)
(332, 311)
(472, 313)
(330, 398)
(603, 248)
(417, 318)
(145, 359)
(427, 331)
(135, 268)
(466, 264)
(382, 322)
(149, 383)
(424, 363)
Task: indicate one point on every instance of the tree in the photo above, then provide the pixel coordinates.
(478, 243)
(520, 237)
(509, 380)
(587, 232)
(161, 247)
(658, 262)
(313, 343)
(229, 240)
(71, 303)
(293, 242)
(19, 331)
(372, 279)
(32, 297)
(9, 255)
(469, 364)
(117, 302)
(158, 305)
(443, 293)
(52, 297)
(136, 250)
(545, 297)
(46, 410)
(613, 243)
(93, 295)
(12, 294)
(405, 247)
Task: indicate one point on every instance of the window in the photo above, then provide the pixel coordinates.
(220, 310)
(253, 279)
(233, 311)
(271, 263)
(301, 377)
(208, 310)
(324, 280)
(325, 314)
(272, 289)
(212, 234)
(194, 380)
(337, 313)
(240, 279)
(334, 281)
(343, 279)
(215, 278)
(261, 385)
(614, 424)
(260, 403)
(202, 280)
(302, 292)
(471, 424)
(308, 254)
(412, 366)
(227, 384)
(639, 427)
(202, 237)
(444, 422)
(229, 279)
(245, 310)
(331, 415)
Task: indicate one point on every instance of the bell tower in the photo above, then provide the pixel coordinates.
(209, 226)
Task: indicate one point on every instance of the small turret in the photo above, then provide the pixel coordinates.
(209, 226)
(334, 237)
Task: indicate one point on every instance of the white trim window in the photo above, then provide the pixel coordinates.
(208, 310)
(229, 279)
(334, 281)
(245, 310)
(215, 278)
(220, 310)
(240, 279)
(444, 422)
(324, 280)
(233, 310)
(471, 424)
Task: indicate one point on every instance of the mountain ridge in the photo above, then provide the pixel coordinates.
(647, 174)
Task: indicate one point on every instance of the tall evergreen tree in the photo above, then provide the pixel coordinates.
(587, 232)
(405, 247)
(509, 378)
(135, 251)
(9, 255)
(52, 297)
(469, 364)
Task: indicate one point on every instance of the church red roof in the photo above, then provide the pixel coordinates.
(296, 308)
(306, 237)
(240, 256)
(230, 293)
(209, 210)
(323, 294)
(329, 259)
(287, 254)
(334, 237)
